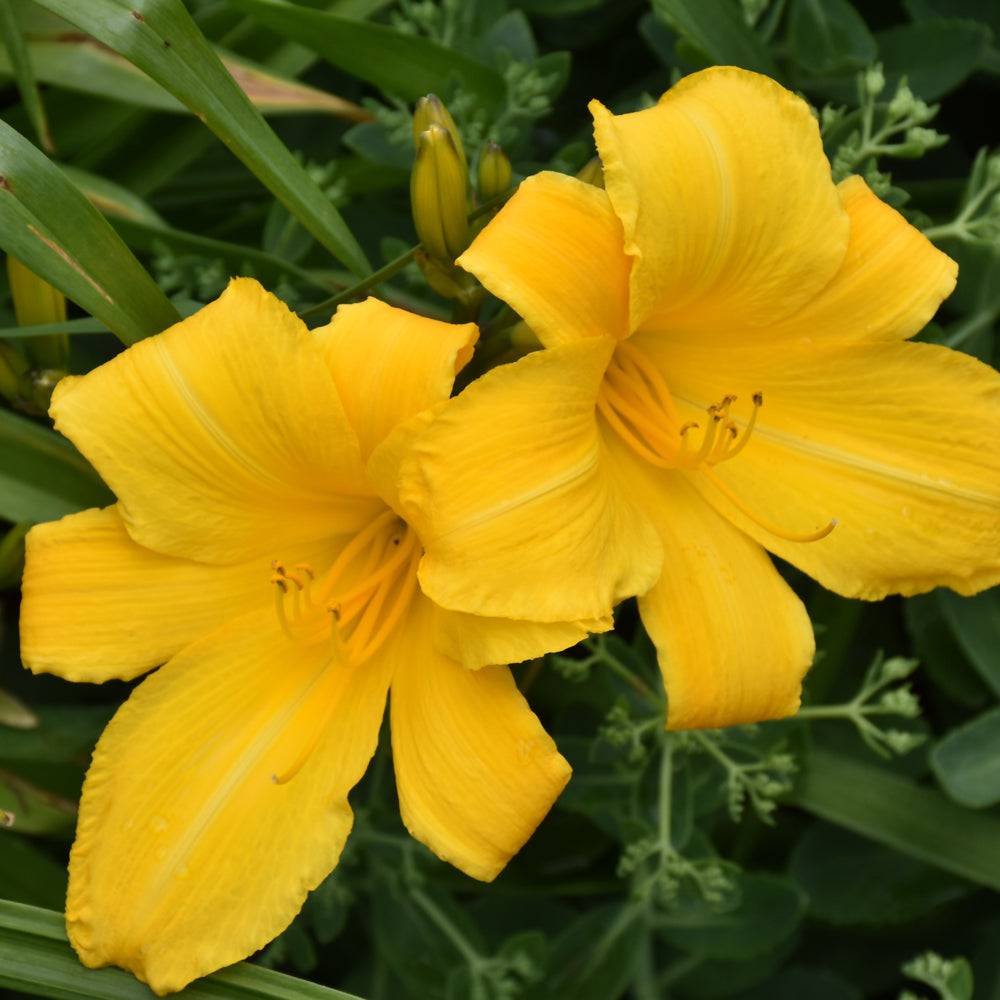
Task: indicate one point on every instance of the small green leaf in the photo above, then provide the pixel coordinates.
(28, 874)
(853, 880)
(717, 28)
(830, 36)
(51, 227)
(769, 910)
(976, 624)
(42, 476)
(935, 56)
(401, 64)
(967, 761)
(160, 38)
(894, 811)
(594, 958)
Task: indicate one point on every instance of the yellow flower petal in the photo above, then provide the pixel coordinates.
(889, 286)
(477, 642)
(390, 364)
(898, 441)
(208, 433)
(548, 534)
(188, 856)
(554, 254)
(732, 639)
(476, 772)
(726, 199)
(97, 606)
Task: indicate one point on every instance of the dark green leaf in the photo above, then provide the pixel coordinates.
(939, 653)
(803, 984)
(28, 874)
(976, 624)
(934, 56)
(851, 880)
(36, 958)
(894, 811)
(160, 38)
(967, 761)
(401, 64)
(769, 910)
(830, 36)
(51, 227)
(42, 476)
(717, 28)
(21, 64)
(594, 958)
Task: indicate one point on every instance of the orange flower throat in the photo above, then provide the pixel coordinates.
(635, 401)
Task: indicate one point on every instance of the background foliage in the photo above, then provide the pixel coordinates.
(819, 857)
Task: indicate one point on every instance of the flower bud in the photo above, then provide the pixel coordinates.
(37, 302)
(438, 195)
(493, 176)
(430, 110)
(592, 172)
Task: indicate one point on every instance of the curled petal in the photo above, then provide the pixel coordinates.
(555, 255)
(389, 364)
(549, 534)
(719, 223)
(890, 283)
(476, 641)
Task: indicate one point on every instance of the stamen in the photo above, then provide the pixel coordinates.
(635, 402)
(773, 529)
(381, 563)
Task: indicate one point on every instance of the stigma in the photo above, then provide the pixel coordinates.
(636, 403)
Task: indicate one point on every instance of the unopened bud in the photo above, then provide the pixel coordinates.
(493, 176)
(12, 368)
(438, 195)
(37, 302)
(430, 110)
(592, 172)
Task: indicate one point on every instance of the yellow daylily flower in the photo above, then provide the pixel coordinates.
(725, 371)
(257, 551)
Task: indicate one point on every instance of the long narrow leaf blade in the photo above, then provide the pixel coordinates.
(51, 227)
(896, 812)
(401, 64)
(42, 476)
(36, 958)
(160, 38)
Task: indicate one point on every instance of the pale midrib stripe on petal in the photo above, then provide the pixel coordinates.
(223, 438)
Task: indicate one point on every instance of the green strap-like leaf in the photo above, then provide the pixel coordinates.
(398, 63)
(51, 227)
(21, 66)
(42, 476)
(36, 958)
(160, 38)
(896, 812)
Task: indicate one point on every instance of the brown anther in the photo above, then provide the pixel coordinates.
(305, 568)
(691, 425)
(758, 398)
(280, 580)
